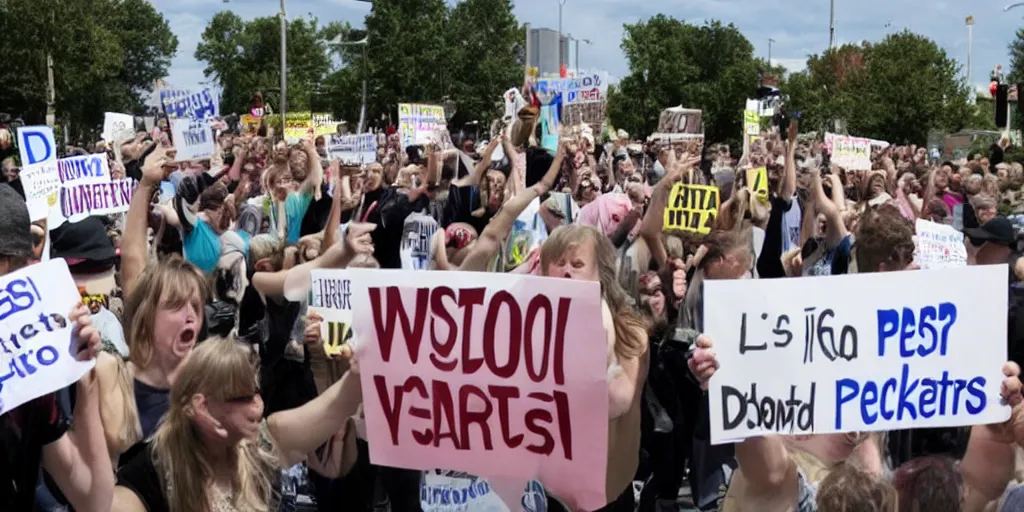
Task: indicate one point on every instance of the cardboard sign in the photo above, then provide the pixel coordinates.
(83, 170)
(38, 150)
(938, 246)
(35, 333)
(353, 149)
(118, 128)
(331, 298)
(193, 139)
(851, 153)
(815, 355)
(498, 375)
(757, 183)
(417, 123)
(587, 88)
(182, 104)
(692, 208)
(78, 201)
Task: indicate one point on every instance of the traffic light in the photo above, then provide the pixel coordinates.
(1001, 103)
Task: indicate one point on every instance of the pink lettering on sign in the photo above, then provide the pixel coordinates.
(501, 376)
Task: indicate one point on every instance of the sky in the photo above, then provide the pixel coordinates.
(798, 27)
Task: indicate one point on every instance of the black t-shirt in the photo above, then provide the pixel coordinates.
(140, 475)
(318, 213)
(769, 264)
(23, 433)
(462, 202)
(389, 215)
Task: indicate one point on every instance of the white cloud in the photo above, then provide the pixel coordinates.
(798, 28)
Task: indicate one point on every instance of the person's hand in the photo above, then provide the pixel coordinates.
(704, 362)
(679, 279)
(1010, 393)
(153, 168)
(85, 339)
(358, 239)
(311, 334)
(793, 131)
(837, 183)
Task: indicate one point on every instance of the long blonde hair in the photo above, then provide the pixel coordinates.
(219, 369)
(627, 320)
(172, 283)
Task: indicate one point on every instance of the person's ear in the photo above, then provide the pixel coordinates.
(264, 265)
(199, 413)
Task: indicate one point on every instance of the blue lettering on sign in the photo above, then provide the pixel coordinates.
(917, 328)
(19, 295)
(38, 144)
(79, 167)
(910, 398)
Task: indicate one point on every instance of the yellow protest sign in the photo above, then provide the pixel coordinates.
(757, 182)
(692, 208)
(751, 123)
(338, 335)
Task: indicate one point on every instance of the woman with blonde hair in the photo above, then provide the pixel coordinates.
(584, 253)
(215, 453)
(162, 322)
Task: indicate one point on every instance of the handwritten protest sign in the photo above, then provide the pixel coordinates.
(757, 183)
(182, 104)
(751, 123)
(35, 333)
(938, 246)
(323, 125)
(498, 375)
(810, 355)
(78, 201)
(588, 88)
(84, 169)
(417, 123)
(353, 149)
(118, 127)
(851, 153)
(38, 150)
(193, 139)
(692, 208)
(331, 298)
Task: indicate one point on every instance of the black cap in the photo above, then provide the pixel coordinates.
(15, 224)
(85, 245)
(997, 231)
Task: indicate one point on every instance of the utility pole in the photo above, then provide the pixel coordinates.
(770, 41)
(831, 24)
(284, 66)
(51, 88)
(526, 66)
(561, 3)
(970, 54)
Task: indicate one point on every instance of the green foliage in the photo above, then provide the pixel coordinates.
(672, 63)
(245, 57)
(106, 56)
(896, 90)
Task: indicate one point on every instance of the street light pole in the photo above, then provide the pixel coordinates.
(284, 66)
(364, 43)
(831, 24)
(770, 41)
(970, 54)
(560, 61)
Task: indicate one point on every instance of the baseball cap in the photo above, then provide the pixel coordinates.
(84, 245)
(15, 224)
(998, 231)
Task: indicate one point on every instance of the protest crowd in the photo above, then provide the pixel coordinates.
(249, 325)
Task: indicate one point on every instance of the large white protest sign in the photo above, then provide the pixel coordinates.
(78, 201)
(863, 352)
(118, 128)
(193, 139)
(417, 123)
(182, 104)
(35, 333)
(938, 246)
(353, 149)
(38, 151)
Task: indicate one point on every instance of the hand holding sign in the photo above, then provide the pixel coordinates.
(154, 167)
(704, 362)
(1010, 391)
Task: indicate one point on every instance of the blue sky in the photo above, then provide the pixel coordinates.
(798, 27)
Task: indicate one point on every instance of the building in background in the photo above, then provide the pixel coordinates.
(546, 48)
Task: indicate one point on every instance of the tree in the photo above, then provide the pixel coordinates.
(106, 55)
(897, 90)
(484, 42)
(408, 61)
(245, 57)
(672, 63)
